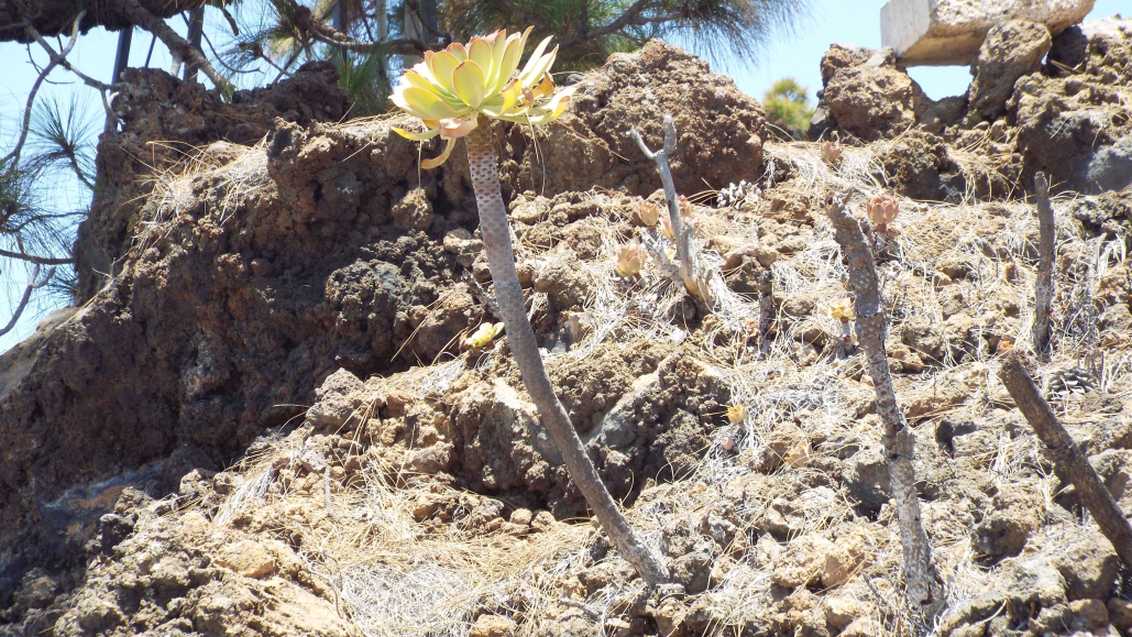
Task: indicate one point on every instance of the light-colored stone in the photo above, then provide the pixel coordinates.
(951, 31)
(492, 626)
(248, 558)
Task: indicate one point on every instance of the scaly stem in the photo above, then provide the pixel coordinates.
(924, 591)
(483, 165)
(1043, 286)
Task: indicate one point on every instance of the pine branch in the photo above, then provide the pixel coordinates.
(12, 159)
(36, 259)
(178, 45)
(34, 284)
(632, 16)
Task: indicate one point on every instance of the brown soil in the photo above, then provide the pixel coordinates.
(267, 420)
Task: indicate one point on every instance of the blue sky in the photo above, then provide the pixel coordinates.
(794, 55)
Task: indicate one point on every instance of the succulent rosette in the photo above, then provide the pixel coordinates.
(452, 88)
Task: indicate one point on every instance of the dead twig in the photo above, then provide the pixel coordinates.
(1043, 287)
(1070, 463)
(924, 590)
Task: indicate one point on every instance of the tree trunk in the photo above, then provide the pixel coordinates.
(924, 590)
(483, 165)
(122, 54)
(1071, 465)
(419, 22)
(196, 35)
(54, 17)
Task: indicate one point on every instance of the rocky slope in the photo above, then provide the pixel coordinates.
(266, 419)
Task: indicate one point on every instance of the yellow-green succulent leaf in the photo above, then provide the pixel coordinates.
(498, 51)
(422, 69)
(425, 105)
(532, 76)
(510, 61)
(468, 82)
(458, 50)
(443, 63)
(414, 78)
(511, 96)
(536, 56)
(435, 162)
(417, 137)
(453, 87)
(481, 51)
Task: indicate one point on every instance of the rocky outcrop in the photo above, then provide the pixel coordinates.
(1010, 50)
(1067, 118)
(256, 249)
(166, 128)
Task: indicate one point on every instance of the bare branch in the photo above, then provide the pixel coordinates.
(322, 32)
(1072, 465)
(32, 258)
(1043, 287)
(178, 45)
(34, 284)
(924, 590)
(12, 159)
(60, 58)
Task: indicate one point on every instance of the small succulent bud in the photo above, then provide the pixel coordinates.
(831, 153)
(842, 312)
(736, 413)
(630, 260)
(484, 335)
(882, 210)
(646, 214)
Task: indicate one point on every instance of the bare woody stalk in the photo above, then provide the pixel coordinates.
(1043, 289)
(483, 165)
(689, 273)
(1070, 463)
(924, 591)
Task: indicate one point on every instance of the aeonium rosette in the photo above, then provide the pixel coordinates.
(451, 88)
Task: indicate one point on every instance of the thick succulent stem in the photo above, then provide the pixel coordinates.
(924, 592)
(483, 165)
(1043, 288)
(1071, 465)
